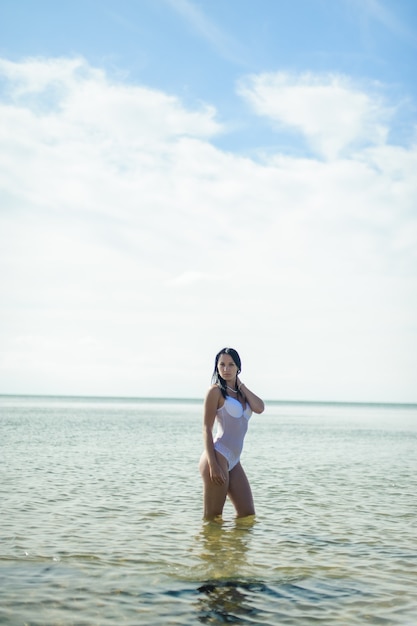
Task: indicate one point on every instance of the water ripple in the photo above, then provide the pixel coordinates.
(101, 519)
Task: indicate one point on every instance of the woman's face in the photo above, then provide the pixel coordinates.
(226, 367)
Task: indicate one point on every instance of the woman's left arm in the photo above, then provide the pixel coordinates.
(256, 404)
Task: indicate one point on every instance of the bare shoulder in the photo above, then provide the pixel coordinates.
(213, 396)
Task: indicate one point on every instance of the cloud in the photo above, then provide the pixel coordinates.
(191, 277)
(223, 43)
(332, 114)
(390, 20)
(87, 99)
(131, 246)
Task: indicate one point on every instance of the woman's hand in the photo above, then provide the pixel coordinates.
(216, 474)
(256, 404)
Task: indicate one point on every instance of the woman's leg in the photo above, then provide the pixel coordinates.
(214, 495)
(240, 492)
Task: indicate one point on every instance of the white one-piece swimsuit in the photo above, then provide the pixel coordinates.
(232, 424)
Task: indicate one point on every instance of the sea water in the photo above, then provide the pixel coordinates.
(101, 516)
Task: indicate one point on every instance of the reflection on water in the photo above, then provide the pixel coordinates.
(224, 596)
(224, 546)
(227, 602)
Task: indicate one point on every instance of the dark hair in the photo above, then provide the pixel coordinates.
(216, 379)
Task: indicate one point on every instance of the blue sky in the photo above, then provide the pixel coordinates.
(198, 50)
(177, 176)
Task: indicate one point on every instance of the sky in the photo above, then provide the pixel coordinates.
(177, 176)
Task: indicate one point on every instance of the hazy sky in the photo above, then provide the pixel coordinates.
(181, 175)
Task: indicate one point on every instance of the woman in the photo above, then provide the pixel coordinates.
(230, 403)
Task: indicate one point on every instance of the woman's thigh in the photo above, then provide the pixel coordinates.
(240, 492)
(214, 495)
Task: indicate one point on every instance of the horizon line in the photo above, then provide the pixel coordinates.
(197, 399)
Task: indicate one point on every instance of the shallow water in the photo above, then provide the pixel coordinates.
(101, 516)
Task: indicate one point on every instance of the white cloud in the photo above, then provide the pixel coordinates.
(329, 110)
(222, 42)
(132, 248)
(389, 19)
(36, 75)
(191, 277)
